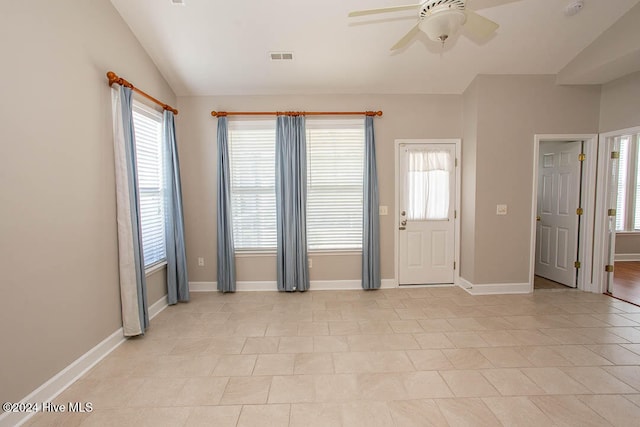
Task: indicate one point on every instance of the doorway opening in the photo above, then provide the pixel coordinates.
(427, 205)
(563, 211)
(619, 220)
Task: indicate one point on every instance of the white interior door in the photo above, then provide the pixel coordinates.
(557, 220)
(426, 202)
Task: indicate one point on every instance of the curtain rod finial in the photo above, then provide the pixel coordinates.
(112, 77)
(219, 114)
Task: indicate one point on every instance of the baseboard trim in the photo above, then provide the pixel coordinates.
(157, 307)
(627, 257)
(63, 379)
(495, 289)
(332, 285)
(432, 285)
(315, 285)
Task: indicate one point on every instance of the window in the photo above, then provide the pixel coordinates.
(335, 159)
(628, 200)
(252, 146)
(428, 184)
(335, 162)
(147, 125)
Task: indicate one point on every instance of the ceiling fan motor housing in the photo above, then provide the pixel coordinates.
(441, 18)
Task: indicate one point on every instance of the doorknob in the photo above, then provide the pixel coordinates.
(538, 218)
(403, 224)
(403, 213)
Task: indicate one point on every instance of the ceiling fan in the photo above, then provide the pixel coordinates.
(439, 20)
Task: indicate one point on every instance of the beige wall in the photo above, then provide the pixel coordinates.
(619, 108)
(627, 243)
(156, 285)
(511, 110)
(58, 244)
(405, 116)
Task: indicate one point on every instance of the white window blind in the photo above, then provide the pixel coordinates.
(147, 125)
(335, 161)
(628, 197)
(623, 167)
(253, 197)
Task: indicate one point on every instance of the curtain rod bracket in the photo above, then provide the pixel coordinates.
(113, 78)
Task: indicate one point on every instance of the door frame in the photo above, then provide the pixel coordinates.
(600, 254)
(586, 272)
(456, 221)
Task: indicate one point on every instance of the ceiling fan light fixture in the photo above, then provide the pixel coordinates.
(439, 26)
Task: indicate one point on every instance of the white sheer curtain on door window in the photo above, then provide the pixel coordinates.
(428, 184)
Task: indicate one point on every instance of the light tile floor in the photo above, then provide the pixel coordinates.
(403, 357)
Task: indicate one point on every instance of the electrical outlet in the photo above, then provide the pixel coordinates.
(200, 262)
(501, 209)
(310, 262)
(383, 210)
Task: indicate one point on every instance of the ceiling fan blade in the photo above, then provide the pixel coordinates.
(479, 26)
(383, 10)
(485, 4)
(407, 37)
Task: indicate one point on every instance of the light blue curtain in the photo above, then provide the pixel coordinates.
(177, 280)
(371, 219)
(226, 250)
(291, 200)
(133, 287)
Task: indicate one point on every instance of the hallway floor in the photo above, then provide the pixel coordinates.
(626, 281)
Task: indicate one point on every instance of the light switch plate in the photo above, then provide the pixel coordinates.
(383, 210)
(501, 209)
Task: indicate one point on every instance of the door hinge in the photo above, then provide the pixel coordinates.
(611, 212)
(615, 155)
(582, 157)
(608, 268)
(577, 264)
(579, 211)
(455, 214)
(454, 265)
(456, 162)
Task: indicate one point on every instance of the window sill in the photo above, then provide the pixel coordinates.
(629, 233)
(154, 268)
(328, 252)
(335, 252)
(251, 254)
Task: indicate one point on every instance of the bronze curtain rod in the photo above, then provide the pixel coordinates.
(113, 78)
(295, 113)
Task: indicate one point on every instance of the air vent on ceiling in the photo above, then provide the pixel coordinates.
(177, 2)
(281, 56)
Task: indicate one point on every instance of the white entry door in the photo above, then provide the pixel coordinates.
(426, 212)
(557, 217)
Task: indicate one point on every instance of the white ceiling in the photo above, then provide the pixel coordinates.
(210, 47)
